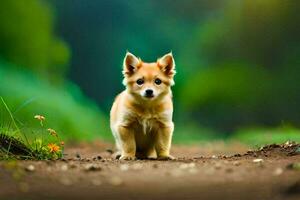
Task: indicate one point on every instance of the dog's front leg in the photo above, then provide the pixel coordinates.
(163, 142)
(128, 144)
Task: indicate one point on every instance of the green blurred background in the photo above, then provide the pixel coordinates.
(238, 64)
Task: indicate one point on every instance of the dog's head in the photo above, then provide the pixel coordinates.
(148, 81)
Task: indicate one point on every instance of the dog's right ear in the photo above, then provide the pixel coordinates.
(130, 64)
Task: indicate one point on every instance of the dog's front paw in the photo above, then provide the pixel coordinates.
(165, 157)
(127, 157)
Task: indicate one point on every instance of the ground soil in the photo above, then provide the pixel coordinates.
(207, 171)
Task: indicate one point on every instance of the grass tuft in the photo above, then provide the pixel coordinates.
(18, 144)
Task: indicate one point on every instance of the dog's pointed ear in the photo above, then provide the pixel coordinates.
(130, 64)
(167, 64)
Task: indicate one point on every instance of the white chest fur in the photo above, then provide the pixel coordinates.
(148, 123)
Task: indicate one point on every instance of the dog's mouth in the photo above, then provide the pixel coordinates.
(149, 96)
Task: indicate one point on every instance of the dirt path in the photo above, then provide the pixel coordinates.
(215, 171)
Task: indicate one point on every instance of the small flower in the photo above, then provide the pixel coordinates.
(62, 143)
(52, 132)
(41, 118)
(53, 148)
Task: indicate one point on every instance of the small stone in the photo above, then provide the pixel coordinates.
(64, 167)
(278, 171)
(155, 166)
(109, 151)
(236, 163)
(124, 167)
(226, 162)
(97, 158)
(214, 157)
(115, 180)
(258, 160)
(92, 167)
(187, 165)
(191, 165)
(78, 156)
(30, 168)
(183, 166)
(288, 144)
(218, 166)
(72, 165)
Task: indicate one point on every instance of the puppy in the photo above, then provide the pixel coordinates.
(141, 115)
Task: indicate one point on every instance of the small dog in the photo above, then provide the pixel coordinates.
(141, 116)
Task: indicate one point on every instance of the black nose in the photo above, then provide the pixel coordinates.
(149, 93)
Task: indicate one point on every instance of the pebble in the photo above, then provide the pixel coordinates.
(124, 167)
(92, 167)
(187, 165)
(218, 166)
(72, 165)
(78, 156)
(258, 160)
(155, 166)
(278, 171)
(109, 151)
(236, 163)
(64, 167)
(30, 168)
(97, 158)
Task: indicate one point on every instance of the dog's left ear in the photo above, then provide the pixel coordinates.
(130, 64)
(167, 64)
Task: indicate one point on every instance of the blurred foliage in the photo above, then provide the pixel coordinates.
(28, 38)
(249, 66)
(67, 111)
(258, 136)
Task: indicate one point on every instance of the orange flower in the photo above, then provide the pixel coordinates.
(53, 148)
(52, 132)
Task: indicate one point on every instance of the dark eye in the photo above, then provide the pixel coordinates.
(140, 82)
(157, 81)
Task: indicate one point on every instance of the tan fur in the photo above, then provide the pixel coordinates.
(143, 126)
